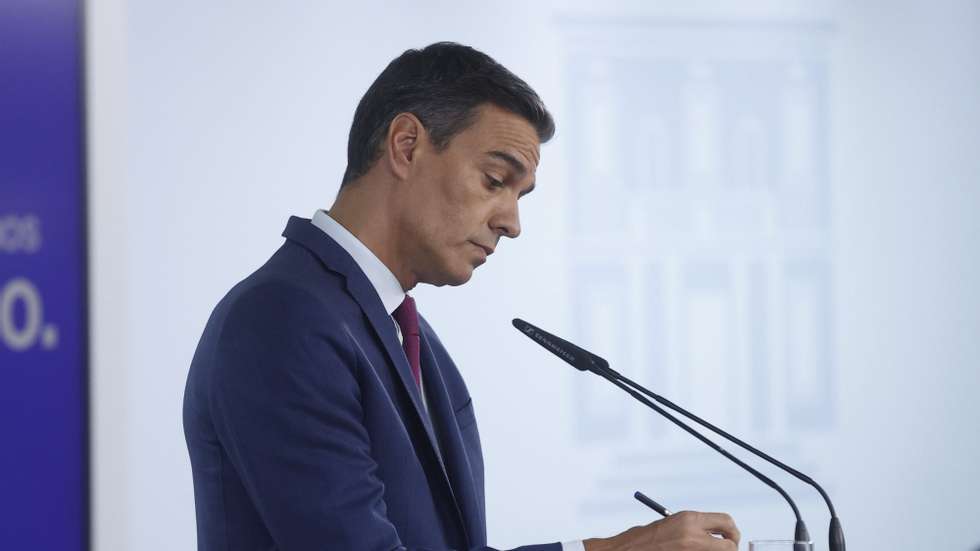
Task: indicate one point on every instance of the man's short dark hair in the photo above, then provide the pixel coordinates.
(442, 85)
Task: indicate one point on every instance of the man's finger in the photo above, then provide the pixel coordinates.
(721, 523)
(718, 544)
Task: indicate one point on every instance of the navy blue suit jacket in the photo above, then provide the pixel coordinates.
(305, 428)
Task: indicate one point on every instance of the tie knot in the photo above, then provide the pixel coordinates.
(407, 317)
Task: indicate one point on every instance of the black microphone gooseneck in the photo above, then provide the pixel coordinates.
(586, 361)
(836, 536)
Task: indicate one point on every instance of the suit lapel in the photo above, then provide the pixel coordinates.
(338, 260)
(454, 451)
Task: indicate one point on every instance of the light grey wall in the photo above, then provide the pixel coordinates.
(213, 122)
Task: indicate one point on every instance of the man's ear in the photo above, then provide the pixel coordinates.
(405, 133)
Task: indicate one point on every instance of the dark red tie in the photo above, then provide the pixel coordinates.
(408, 320)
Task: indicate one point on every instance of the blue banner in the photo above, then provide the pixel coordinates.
(43, 371)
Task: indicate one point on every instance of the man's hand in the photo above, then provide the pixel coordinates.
(683, 531)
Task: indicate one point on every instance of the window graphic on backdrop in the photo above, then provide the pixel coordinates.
(699, 159)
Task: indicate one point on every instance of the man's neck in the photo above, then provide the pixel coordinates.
(370, 218)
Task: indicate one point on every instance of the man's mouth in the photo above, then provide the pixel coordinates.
(487, 250)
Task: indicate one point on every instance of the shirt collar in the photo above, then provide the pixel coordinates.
(384, 282)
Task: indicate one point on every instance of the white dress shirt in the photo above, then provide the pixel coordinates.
(385, 284)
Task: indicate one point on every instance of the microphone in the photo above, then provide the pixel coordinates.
(586, 361)
(836, 532)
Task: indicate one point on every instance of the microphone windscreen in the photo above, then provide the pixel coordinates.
(578, 358)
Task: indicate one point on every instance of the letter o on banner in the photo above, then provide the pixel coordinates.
(23, 291)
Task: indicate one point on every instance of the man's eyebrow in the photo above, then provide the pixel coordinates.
(517, 165)
(509, 159)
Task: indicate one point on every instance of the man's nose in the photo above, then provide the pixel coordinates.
(507, 221)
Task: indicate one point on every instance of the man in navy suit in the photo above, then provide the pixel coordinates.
(321, 411)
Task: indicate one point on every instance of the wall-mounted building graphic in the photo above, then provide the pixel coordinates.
(699, 198)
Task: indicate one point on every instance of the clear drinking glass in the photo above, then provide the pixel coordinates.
(780, 545)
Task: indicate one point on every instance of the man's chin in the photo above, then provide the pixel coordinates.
(456, 278)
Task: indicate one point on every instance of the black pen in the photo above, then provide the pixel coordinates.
(651, 504)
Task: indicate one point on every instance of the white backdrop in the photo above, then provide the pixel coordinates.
(212, 122)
